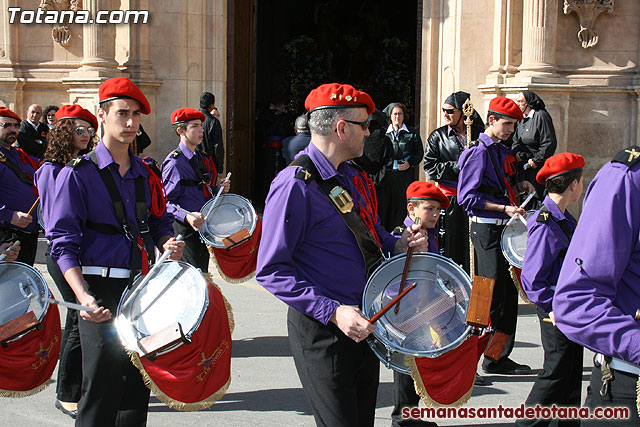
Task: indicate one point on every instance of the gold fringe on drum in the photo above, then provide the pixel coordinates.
(638, 395)
(232, 323)
(516, 282)
(223, 275)
(26, 393)
(421, 390)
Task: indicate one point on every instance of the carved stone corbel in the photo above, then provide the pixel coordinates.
(60, 34)
(588, 11)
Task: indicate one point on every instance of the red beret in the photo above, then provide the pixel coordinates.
(182, 115)
(122, 87)
(423, 190)
(4, 111)
(335, 95)
(559, 165)
(506, 106)
(76, 112)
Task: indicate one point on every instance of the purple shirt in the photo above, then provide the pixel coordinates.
(15, 195)
(595, 306)
(46, 182)
(308, 257)
(174, 169)
(431, 235)
(82, 196)
(546, 243)
(476, 169)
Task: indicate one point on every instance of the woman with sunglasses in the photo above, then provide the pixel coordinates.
(407, 153)
(73, 133)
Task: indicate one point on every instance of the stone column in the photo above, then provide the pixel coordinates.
(98, 44)
(138, 64)
(539, 26)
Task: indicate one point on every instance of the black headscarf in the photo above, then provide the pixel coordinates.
(457, 100)
(533, 100)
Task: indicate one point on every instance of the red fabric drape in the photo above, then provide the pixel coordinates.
(240, 261)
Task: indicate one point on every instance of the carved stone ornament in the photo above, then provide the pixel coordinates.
(588, 11)
(60, 34)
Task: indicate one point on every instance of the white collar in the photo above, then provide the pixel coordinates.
(404, 127)
(531, 111)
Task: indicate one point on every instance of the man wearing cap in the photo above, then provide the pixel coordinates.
(32, 135)
(17, 192)
(597, 300)
(321, 239)
(189, 177)
(441, 156)
(110, 213)
(549, 232)
(487, 196)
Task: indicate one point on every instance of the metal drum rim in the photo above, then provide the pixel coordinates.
(508, 256)
(47, 294)
(429, 354)
(225, 195)
(189, 334)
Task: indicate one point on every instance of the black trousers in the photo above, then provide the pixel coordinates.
(453, 234)
(28, 243)
(392, 197)
(195, 251)
(621, 393)
(404, 395)
(69, 384)
(339, 376)
(491, 263)
(560, 381)
(113, 393)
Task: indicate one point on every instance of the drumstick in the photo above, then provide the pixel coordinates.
(71, 305)
(185, 211)
(518, 216)
(547, 320)
(33, 206)
(387, 307)
(405, 271)
(217, 196)
(4, 254)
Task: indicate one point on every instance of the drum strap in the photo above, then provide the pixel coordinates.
(506, 193)
(141, 240)
(200, 168)
(368, 245)
(22, 175)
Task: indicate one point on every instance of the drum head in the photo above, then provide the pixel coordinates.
(514, 241)
(176, 292)
(17, 281)
(431, 319)
(231, 214)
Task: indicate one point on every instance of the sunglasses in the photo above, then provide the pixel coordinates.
(364, 124)
(449, 110)
(7, 125)
(81, 130)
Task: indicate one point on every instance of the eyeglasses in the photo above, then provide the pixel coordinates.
(7, 125)
(449, 110)
(364, 125)
(80, 130)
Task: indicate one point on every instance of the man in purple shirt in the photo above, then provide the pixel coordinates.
(321, 238)
(100, 237)
(189, 177)
(489, 199)
(17, 192)
(597, 299)
(549, 232)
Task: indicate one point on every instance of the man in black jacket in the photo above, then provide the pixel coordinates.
(443, 149)
(32, 135)
(212, 143)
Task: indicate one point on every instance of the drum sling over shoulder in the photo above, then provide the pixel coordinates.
(369, 247)
(142, 240)
(22, 175)
(200, 169)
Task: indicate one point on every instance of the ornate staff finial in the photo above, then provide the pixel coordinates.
(467, 110)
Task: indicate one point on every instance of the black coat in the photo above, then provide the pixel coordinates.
(535, 137)
(212, 143)
(442, 153)
(31, 141)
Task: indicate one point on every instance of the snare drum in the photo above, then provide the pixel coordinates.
(185, 377)
(28, 356)
(514, 241)
(431, 319)
(231, 214)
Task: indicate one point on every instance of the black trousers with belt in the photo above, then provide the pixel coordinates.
(491, 263)
(195, 252)
(113, 393)
(28, 243)
(339, 376)
(560, 381)
(69, 384)
(621, 393)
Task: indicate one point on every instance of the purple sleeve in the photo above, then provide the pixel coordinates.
(472, 164)
(537, 266)
(594, 303)
(285, 221)
(171, 181)
(45, 182)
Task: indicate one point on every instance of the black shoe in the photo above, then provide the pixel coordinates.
(479, 380)
(507, 367)
(73, 414)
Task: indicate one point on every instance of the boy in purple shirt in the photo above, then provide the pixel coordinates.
(549, 232)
